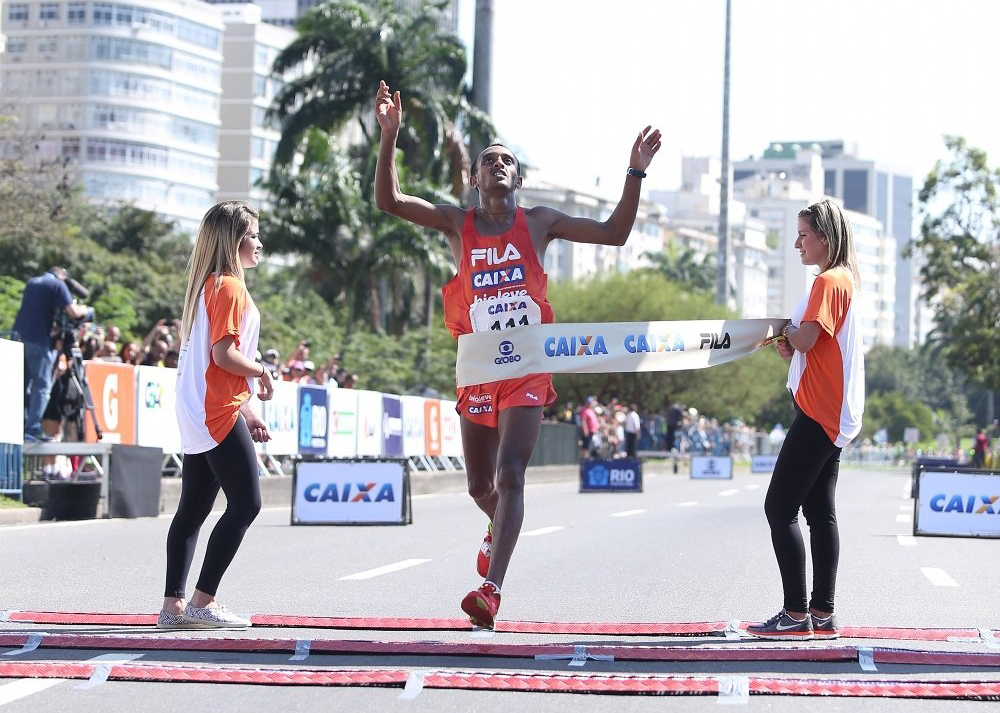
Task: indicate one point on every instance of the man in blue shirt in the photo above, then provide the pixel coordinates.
(44, 297)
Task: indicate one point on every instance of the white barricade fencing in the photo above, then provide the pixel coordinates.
(392, 426)
(281, 414)
(369, 441)
(414, 426)
(451, 432)
(432, 427)
(156, 420)
(314, 422)
(12, 408)
(341, 440)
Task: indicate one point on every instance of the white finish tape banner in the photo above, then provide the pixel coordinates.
(598, 348)
(12, 407)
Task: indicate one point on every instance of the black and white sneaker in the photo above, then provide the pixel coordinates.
(826, 628)
(782, 626)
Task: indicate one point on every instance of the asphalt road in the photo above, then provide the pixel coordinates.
(683, 550)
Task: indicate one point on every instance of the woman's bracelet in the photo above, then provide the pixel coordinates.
(784, 330)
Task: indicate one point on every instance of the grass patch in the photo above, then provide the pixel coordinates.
(6, 502)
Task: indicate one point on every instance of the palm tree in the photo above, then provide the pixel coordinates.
(682, 264)
(348, 47)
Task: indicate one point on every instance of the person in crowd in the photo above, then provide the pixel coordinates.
(272, 360)
(822, 342)
(108, 351)
(171, 359)
(219, 332)
(500, 421)
(130, 353)
(633, 426)
(675, 420)
(980, 448)
(45, 298)
(590, 429)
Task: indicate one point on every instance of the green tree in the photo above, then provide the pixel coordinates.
(894, 412)
(681, 263)
(960, 241)
(10, 300)
(742, 389)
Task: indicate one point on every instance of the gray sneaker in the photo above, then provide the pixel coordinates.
(826, 628)
(217, 617)
(781, 626)
(171, 621)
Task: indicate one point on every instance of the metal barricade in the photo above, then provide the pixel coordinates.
(11, 469)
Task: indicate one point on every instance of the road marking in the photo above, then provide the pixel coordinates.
(753, 486)
(904, 507)
(906, 540)
(903, 518)
(688, 504)
(378, 571)
(542, 531)
(727, 493)
(938, 577)
(627, 513)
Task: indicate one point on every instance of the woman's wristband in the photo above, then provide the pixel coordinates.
(784, 330)
(262, 370)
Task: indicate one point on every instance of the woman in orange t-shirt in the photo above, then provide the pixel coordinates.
(219, 333)
(826, 377)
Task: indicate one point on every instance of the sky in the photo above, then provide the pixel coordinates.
(575, 80)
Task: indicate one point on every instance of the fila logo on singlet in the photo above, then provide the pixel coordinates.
(493, 257)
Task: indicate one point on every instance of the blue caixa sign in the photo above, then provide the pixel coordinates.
(621, 475)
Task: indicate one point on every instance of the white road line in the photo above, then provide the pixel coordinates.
(542, 531)
(378, 571)
(688, 504)
(627, 513)
(753, 486)
(727, 493)
(906, 540)
(904, 507)
(904, 517)
(938, 577)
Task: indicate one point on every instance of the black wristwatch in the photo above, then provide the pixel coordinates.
(635, 172)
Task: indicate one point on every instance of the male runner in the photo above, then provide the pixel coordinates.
(499, 249)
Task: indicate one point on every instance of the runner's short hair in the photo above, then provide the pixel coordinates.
(475, 161)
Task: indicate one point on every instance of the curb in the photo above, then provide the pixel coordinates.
(20, 516)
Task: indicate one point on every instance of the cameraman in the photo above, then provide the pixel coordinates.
(45, 298)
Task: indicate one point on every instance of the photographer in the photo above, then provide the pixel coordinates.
(45, 298)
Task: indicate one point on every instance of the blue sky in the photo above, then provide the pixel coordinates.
(574, 80)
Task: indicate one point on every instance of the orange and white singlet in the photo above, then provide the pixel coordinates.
(500, 285)
(828, 381)
(208, 397)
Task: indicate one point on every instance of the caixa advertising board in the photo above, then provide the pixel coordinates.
(957, 502)
(623, 475)
(351, 492)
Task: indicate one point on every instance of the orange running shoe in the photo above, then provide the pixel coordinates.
(482, 604)
(485, 552)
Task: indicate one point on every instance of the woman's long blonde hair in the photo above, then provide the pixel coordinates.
(828, 220)
(216, 250)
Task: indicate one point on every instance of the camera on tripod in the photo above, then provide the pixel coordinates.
(73, 393)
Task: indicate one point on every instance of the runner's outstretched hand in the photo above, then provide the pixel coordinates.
(645, 147)
(388, 108)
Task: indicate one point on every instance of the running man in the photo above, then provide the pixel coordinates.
(499, 249)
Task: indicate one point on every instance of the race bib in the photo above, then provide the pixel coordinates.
(500, 313)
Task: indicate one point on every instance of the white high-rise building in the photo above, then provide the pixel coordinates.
(694, 221)
(285, 13)
(776, 201)
(573, 261)
(865, 187)
(246, 139)
(126, 91)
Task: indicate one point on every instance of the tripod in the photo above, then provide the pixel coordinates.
(76, 398)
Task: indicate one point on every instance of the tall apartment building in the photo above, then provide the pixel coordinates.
(246, 139)
(573, 261)
(694, 223)
(285, 13)
(127, 91)
(776, 201)
(866, 187)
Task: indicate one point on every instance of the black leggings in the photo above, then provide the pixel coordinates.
(805, 476)
(231, 465)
